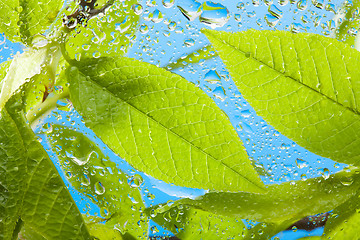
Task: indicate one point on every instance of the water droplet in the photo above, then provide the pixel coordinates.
(168, 3)
(172, 25)
(151, 3)
(212, 77)
(325, 173)
(190, 9)
(104, 212)
(189, 42)
(219, 93)
(271, 20)
(276, 12)
(318, 3)
(135, 181)
(347, 181)
(144, 28)
(137, 8)
(237, 17)
(283, 2)
(154, 230)
(268, 2)
(214, 14)
(245, 113)
(99, 188)
(156, 16)
(302, 5)
(300, 163)
(256, 3)
(85, 180)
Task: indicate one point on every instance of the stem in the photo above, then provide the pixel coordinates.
(45, 106)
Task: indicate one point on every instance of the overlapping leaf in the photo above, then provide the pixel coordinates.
(161, 124)
(31, 190)
(94, 175)
(287, 201)
(189, 223)
(22, 19)
(344, 221)
(307, 86)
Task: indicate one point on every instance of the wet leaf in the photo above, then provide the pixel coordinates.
(343, 222)
(23, 19)
(31, 188)
(305, 85)
(95, 176)
(161, 124)
(108, 34)
(286, 201)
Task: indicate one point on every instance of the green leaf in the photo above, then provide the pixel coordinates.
(347, 29)
(343, 222)
(190, 223)
(307, 86)
(161, 124)
(4, 66)
(30, 187)
(286, 201)
(109, 34)
(94, 175)
(30, 62)
(23, 19)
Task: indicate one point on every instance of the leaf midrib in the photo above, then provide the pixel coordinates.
(297, 81)
(177, 135)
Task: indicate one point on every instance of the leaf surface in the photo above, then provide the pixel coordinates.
(31, 188)
(109, 34)
(307, 86)
(161, 124)
(343, 222)
(95, 176)
(22, 19)
(189, 223)
(286, 201)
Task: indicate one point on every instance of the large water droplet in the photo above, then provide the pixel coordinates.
(190, 9)
(214, 14)
(168, 3)
(300, 163)
(156, 16)
(212, 77)
(135, 181)
(137, 8)
(99, 188)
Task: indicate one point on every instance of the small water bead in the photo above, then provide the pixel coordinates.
(189, 42)
(237, 17)
(271, 20)
(144, 28)
(302, 5)
(85, 180)
(172, 25)
(268, 2)
(168, 3)
(318, 3)
(283, 2)
(151, 3)
(135, 181)
(191, 9)
(137, 8)
(214, 14)
(99, 188)
(256, 3)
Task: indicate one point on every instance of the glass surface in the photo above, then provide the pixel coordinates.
(167, 34)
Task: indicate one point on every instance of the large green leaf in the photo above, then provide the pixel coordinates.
(161, 124)
(307, 86)
(31, 190)
(109, 34)
(23, 19)
(344, 221)
(287, 201)
(94, 175)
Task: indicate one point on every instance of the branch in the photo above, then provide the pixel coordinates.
(310, 223)
(84, 13)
